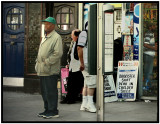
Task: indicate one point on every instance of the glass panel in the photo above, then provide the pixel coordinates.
(64, 27)
(65, 18)
(150, 72)
(21, 19)
(71, 26)
(118, 15)
(65, 9)
(58, 18)
(70, 11)
(59, 26)
(8, 19)
(14, 19)
(15, 10)
(59, 11)
(71, 19)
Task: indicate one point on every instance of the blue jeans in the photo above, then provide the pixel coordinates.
(49, 92)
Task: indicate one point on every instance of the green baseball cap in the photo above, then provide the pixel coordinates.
(50, 19)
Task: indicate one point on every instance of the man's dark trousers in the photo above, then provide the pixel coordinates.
(74, 85)
(49, 92)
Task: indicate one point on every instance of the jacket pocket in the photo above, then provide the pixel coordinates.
(46, 68)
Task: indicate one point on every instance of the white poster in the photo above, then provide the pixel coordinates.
(127, 80)
(108, 23)
(110, 94)
(108, 42)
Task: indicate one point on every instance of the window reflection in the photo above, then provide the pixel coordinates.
(150, 52)
(64, 27)
(65, 18)
(14, 19)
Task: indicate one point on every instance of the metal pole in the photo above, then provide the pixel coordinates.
(140, 84)
(100, 85)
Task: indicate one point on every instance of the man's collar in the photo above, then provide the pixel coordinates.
(50, 34)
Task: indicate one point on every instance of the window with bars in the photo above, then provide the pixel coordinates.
(65, 18)
(14, 19)
(118, 15)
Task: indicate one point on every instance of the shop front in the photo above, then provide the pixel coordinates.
(135, 39)
(135, 35)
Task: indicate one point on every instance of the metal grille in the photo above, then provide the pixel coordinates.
(65, 18)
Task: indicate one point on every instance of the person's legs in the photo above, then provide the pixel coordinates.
(74, 86)
(90, 105)
(84, 93)
(148, 68)
(71, 88)
(91, 91)
(44, 95)
(84, 98)
(88, 92)
(91, 88)
(52, 93)
(78, 82)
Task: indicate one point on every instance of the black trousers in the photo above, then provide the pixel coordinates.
(49, 92)
(74, 85)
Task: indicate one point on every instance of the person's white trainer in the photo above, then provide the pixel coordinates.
(91, 107)
(83, 107)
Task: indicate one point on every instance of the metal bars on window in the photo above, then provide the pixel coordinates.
(14, 18)
(64, 18)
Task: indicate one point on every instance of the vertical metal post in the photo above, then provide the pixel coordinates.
(140, 84)
(100, 85)
(80, 13)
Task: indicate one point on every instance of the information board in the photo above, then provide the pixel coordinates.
(110, 94)
(108, 42)
(127, 80)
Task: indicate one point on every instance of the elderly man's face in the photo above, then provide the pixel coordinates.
(48, 27)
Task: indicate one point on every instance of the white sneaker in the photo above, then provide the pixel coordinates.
(91, 107)
(83, 107)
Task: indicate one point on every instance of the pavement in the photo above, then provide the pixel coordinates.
(22, 107)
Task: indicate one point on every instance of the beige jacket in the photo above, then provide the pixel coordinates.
(49, 55)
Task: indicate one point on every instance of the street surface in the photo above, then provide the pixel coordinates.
(18, 106)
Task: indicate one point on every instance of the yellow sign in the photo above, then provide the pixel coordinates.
(116, 5)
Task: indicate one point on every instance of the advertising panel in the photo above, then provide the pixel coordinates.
(136, 32)
(110, 94)
(127, 80)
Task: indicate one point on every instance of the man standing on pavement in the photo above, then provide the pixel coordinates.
(48, 67)
(89, 80)
(75, 80)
